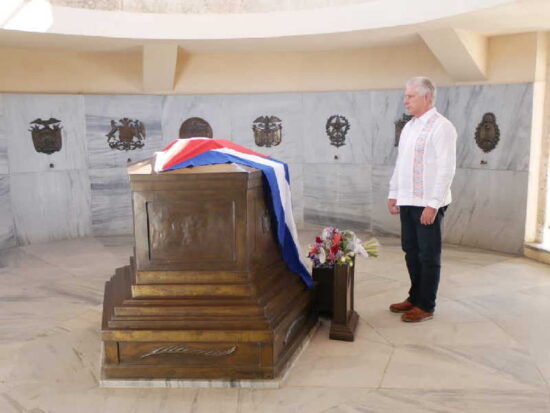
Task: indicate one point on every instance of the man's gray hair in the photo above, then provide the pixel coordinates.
(424, 86)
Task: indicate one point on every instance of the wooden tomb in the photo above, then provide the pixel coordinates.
(206, 294)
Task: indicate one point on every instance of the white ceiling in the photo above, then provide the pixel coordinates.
(360, 24)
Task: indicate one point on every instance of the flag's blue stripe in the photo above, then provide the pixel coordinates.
(289, 247)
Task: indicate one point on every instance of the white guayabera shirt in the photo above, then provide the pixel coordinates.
(426, 162)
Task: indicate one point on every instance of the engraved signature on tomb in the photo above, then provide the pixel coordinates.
(190, 351)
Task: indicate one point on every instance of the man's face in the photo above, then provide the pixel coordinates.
(415, 104)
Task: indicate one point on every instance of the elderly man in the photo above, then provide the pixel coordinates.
(420, 192)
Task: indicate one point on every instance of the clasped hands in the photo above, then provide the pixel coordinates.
(427, 217)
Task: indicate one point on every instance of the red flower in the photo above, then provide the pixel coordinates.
(334, 249)
(318, 240)
(337, 238)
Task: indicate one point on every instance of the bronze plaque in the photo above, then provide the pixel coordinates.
(191, 231)
(126, 134)
(399, 125)
(46, 135)
(337, 127)
(267, 131)
(195, 128)
(487, 132)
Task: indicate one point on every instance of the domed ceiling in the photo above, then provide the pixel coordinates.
(257, 25)
(201, 6)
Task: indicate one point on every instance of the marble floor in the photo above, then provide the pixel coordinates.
(486, 350)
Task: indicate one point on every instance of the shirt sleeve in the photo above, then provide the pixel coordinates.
(444, 142)
(393, 184)
(394, 187)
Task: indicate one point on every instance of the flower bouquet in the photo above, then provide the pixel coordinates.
(339, 247)
(333, 255)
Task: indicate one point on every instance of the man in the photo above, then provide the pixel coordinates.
(420, 192)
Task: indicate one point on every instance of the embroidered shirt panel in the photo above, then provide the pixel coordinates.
(419, 150)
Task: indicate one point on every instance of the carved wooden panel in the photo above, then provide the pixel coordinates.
(191, 231)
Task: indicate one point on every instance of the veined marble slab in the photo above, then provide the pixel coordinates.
(7, 228)
(245, 109)
(296, 172)
(338, 195)
(488, 210)
(383, 108)
(4, 169)
(317, 109)
(177, 109)
(50, 205)
(512, 106)
(102, 109)
(111, 207)
(382, 221)
(20, 110)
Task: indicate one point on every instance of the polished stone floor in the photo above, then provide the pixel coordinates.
(486, 350)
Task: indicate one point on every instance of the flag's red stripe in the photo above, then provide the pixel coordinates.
(196, 147)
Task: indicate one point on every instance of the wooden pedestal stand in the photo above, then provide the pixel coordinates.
(324, 287)
(344, 317)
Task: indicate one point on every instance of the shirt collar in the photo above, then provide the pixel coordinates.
(424, 118)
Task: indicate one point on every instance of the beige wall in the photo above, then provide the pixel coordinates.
(57, 71)
(511, 59)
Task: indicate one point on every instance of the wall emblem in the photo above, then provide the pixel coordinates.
(337, 126)
(267, 131)
(126, 134)
(487, 133)
(399, 125)
(46, 135)
(195, 128)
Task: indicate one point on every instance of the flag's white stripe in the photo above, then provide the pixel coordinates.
(162, 157)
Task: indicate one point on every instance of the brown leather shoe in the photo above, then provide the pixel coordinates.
(401, 307)
(416, 315)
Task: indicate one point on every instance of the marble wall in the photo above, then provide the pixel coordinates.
(111, 204)
(489, 189)
(50, 194)
(7, 228)
(83, 189)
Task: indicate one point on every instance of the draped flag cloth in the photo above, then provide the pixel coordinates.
(185, 153)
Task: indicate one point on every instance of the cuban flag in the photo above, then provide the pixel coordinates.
(185, 153)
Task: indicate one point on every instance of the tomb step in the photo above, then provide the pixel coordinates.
(191, 290)
(229, 324)
(190, 301)
(222, 310)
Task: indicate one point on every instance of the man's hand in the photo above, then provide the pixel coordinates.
(392, 207)
(428, 216)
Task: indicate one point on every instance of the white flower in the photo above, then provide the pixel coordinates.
(322, 256)
(326, 234)
(360, 250)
